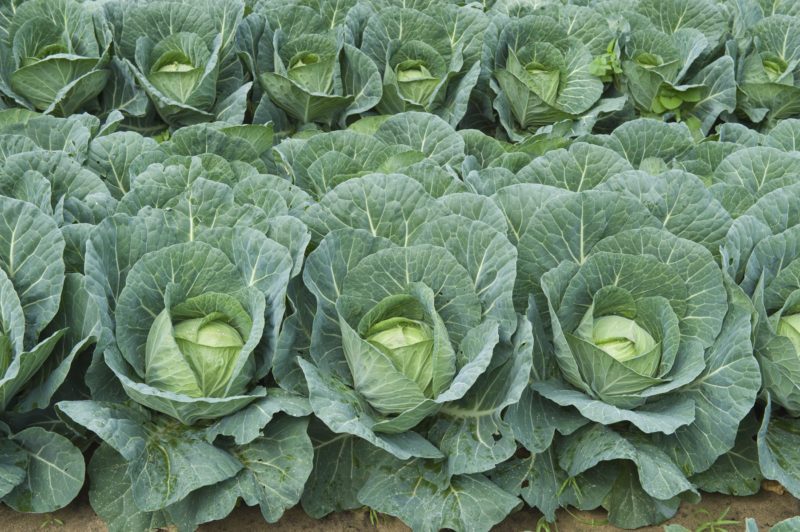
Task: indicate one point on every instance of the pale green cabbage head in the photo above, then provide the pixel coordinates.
(409, 345)
(193, 348)
(789, 326)
(621, 338)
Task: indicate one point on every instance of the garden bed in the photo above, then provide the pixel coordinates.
(766, 507)
(424, 261)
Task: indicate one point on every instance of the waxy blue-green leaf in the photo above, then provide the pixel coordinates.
(30, 255)
(680, 201)
(55, 472)
(581, 167)
(673, 15)
(165, 462)
(344, 411)
(566, 228)
(324, 275)
(467, 501)
(111, 156)
(777, 449)
(276, 466)
(542, 484)
(737, 472)
(71, 135)
(489, 258)
(246, 425)
(723, 393)
(646, 141)
(13, 466)
(80, 319)
(644, 494)
(471, 431)
(746, 175)
(784, 136)
(425, 133)
(475, 207)
(342, 464)
(324, 161)
(391, 206)
(110, 494)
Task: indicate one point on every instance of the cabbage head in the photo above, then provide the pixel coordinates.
(638, 330)
(670, 68)
(414, 348)
(182, 55)
(541, 74)
(769, 78)
(306, 65)
(53, 56)
(423, 67)
(192, 292)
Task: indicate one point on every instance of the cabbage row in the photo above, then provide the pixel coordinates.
(437, 259)
(507, 66)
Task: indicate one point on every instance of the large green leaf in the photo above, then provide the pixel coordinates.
(70, 135)
(275, 467)
(758, 170)
(581, 167)
(392, 206)
(535, 421)
(111, 156)
(113, 247)
(304, 106)
(166, 460)
(543, 484)
(342, 463)
(79, 318)
(246, 424)
(407, 491)
(723, 393)
(324, 276)
(31, 250)
(566, 228)
(475, 207)
(718, 78)
(785, 135)
(673, 15)
(489, 258)
(644, 140)
(110, 494)
(344, 411)
(737, 472)
(325, 160)
(664, 416)
(12, 467)
(778, 440)
(425, 133)
(471, 431)
(639, 496)
(680, 201)
(54, 475)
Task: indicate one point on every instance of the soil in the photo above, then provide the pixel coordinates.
(766, 507)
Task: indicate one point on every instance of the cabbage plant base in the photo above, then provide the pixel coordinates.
(764, 508)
